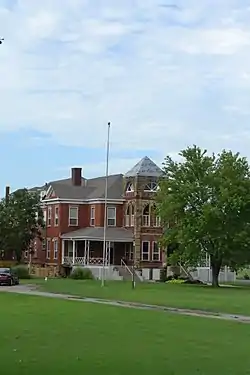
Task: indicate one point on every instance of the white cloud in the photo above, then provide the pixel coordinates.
(165, 77)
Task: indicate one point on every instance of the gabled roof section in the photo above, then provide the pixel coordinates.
(91, 189)
(145, 168)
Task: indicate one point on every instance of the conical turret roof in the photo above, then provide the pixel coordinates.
(145, 168)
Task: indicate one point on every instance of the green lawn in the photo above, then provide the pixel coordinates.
(224, 299)
(44, 336)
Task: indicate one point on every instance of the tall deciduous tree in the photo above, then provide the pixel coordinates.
(204, 202)
(21, 221)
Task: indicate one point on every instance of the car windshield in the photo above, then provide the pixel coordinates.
(4, 270)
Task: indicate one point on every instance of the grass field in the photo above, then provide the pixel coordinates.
(225, 299)
(44, 336)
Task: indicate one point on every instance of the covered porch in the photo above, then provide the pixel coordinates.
(85, 246)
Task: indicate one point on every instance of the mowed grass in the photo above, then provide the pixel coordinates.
(50, 336)
(235, 300)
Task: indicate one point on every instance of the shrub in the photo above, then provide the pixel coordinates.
(21, 271)
(246, 276)
(80, 273)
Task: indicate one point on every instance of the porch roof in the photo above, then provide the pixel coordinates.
(96, 234)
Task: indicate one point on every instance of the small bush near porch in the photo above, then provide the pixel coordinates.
(44, 336)
(235, 300)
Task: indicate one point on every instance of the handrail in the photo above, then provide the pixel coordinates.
(185, 271)
(123, 264)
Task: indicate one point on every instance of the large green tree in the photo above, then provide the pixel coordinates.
(21, 221)
(204, 204)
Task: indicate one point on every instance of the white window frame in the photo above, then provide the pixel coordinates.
(55, 249)
(92, 216)
(74, 224)
(35, 249)
(147, 258)
(130, 188)
(56, 216)
(132, 222)
(109, 224)
(44, 244)
(158, 252)
(151, 187)
(127, 217)
(26, 253)
(45, 216)
(49, 216)
(48, 248)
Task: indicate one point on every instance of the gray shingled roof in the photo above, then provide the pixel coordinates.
(96, 233)
(145, 168)
(91, 189)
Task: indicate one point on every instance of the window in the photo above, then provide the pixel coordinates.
(111, 215)
(48, 249)
(73, 216)
(132, 215)
(156, 254)
(56, 218)
(92, 216)
(151, 187)
(157, 221)
(49, 216)
(26, 253)
(130, 187)
(127, 217)
(35, 249)
(146, 217)
(145, 250)
(45, 216)
(55, 249)
(43, 245)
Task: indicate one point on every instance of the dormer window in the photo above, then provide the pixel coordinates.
(151, 187)
(130, 187)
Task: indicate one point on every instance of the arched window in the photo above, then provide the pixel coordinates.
(151, 187)
(127, 217)
(130, 187)
(146, 216)
(155, 219)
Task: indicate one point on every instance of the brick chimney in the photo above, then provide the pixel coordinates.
(76, 176)
(7, 193)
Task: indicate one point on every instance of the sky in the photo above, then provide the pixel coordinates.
(165, 73)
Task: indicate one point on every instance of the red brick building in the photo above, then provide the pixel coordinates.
(74, 216)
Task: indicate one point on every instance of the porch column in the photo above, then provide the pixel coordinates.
(63, 251)
(74, 251)
(85, 252)
(88, 250)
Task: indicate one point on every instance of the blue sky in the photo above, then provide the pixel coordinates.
(166, 77)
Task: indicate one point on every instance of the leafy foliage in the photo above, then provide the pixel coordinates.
(21, 221)
(80, 273)
(204, 204)
(21, 271)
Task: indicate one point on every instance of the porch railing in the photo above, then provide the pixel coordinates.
(82, 261)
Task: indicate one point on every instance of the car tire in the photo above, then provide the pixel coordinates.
(10, 282)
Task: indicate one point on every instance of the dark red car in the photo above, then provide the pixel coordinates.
(7, 277)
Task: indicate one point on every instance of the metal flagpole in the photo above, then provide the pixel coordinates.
(105, 211)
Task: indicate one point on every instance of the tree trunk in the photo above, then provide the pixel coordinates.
(216, 266)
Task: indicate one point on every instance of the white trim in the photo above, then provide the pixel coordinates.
(49, 217)
(92, 218)
(48, 241)
(82, 201)
(111, 218)
(56, 224)
(145, 260)
(55, 241)
(48, 191)
(95, 239)
(153, 252)
(77, 216)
